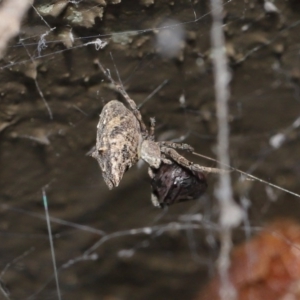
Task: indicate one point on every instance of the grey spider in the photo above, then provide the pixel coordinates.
(123, 138)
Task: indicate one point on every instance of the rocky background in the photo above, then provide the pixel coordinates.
(51, 95)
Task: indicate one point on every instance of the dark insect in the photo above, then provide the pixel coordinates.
(174, 183)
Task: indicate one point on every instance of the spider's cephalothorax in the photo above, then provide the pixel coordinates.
(123, 138)
(174, 183)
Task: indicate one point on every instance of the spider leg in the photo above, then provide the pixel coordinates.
(179, 159)
(176, 156)
(129, 101)
(199, 168)
(151, 173)
(152, 128)
(164, 159)
(173, 145)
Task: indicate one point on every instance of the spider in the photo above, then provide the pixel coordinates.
(123, 138)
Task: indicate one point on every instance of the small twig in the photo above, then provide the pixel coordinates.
(45, 202)
(3, 288)
(43, 98)
(37, 12)
(54, 220)
(230, 213)
(15, 260)
(37, 84)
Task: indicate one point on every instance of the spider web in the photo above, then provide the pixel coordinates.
(114, 244)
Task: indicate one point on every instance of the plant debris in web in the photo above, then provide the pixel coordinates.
(267, 267)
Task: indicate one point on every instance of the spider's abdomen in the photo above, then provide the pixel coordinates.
(118, 140)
